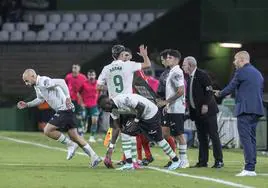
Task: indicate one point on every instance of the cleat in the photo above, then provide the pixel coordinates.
(95, 161)
(174, 165)
(120, 163)
(127, 166)
(184, 164)
(136, 165)
(168, 164)
(71, 150)
(91, 139)
(146, 162)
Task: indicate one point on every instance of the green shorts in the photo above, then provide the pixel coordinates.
(92, 111)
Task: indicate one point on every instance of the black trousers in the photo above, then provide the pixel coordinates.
(207, 127)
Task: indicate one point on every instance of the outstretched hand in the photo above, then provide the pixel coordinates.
(143, 51)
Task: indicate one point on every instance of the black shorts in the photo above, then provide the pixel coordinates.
(163, 117)
(176, 124)
(64, 120)
(152, 128)
(78, 108)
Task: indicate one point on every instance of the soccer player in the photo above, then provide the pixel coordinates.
(118, 77)
(139, 81)
(161, 91)
(74, 82)
(147, 121)
(55, 93)
(88, 99)
(175, 104)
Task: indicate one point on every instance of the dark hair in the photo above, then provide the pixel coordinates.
(91, 71)
(128, 50)
(171, 52)
(101, 98)
(164, 53)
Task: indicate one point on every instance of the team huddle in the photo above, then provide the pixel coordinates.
(136, 110)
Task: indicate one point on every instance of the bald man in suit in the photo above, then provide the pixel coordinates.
(248, 84)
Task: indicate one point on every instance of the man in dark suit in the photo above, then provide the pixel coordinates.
(248, 83)
(203, 110)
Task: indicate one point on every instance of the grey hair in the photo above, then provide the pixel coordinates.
(191, 60)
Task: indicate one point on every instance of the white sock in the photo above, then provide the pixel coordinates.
(64, 139)
(89, 151)
(134, 148)
(126, 145)
(182, 151)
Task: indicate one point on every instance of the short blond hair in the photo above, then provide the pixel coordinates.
(243, 55)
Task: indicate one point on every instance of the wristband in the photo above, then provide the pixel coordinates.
(136, 120)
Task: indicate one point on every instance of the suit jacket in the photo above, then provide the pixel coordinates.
(248, 83)
(202, 94)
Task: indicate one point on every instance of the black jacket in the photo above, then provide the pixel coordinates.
(202, 92)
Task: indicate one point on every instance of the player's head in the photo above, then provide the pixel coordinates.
(91, 74)
(163, 57)
(173, 57)
(241, 58)
(105, 103)
(127, 54)
(189, 64)
(118, 52)
(29, 77)
(75, 69)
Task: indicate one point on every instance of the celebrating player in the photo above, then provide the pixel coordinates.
(118, 77)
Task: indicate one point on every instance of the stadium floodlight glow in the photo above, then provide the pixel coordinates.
(230, 45)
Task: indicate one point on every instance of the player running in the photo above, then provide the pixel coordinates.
(55, 93)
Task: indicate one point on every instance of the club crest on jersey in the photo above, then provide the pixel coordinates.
(115, 68)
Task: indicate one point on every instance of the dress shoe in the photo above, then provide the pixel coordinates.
(199, 165)
(218, 165)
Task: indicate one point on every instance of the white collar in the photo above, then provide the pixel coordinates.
(193, 73)
(37, 80)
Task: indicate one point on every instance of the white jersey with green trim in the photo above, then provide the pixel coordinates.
(126, 103)
(118, 76)
(175, 80)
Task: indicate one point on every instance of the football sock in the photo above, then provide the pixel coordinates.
(182, 151)
(134, 148)
(146, 147)
(64, 139)
(126, 145)
(172, 143)
(139, 146)
(166, 148)
(88, 150)
(93, 129)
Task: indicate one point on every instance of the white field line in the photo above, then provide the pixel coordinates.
(219, 181)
